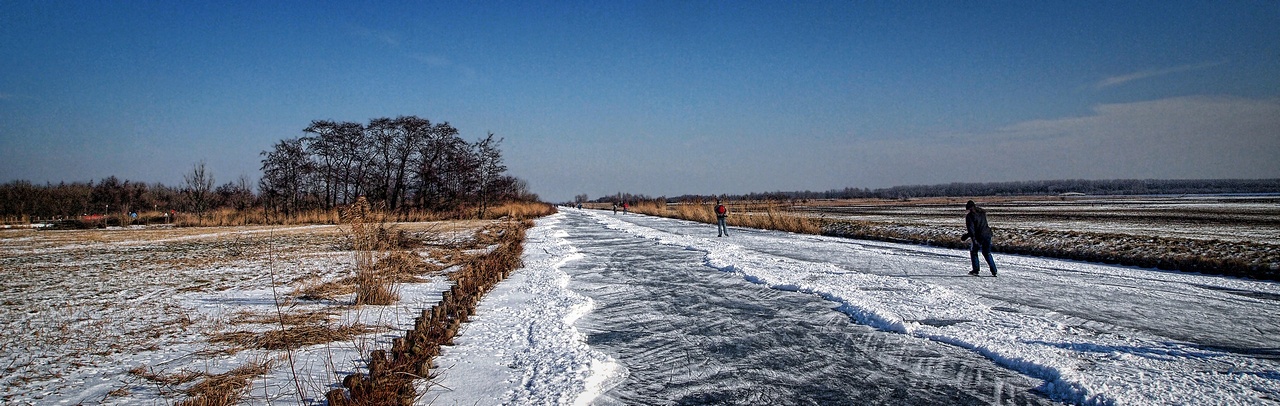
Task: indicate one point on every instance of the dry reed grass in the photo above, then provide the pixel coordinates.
(167, 380)
(520, 210)
(325, 290)
(373, 238)
(224, 389)
(291, 319)
(292, 337)
(257, 216)
(761, 215)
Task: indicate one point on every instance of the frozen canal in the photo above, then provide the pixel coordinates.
(690, 334)
(628, 309)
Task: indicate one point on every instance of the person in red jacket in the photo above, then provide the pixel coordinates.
(721, 213)
(975, 224)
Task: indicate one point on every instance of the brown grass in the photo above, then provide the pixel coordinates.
(372, 237)
(227, 388)
(292, 337)
(520, 210)
(761, 215)
(231, 217)
(174, 379)
(290, 319)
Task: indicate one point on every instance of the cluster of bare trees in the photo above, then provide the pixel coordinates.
(401, 163)
(405, 162)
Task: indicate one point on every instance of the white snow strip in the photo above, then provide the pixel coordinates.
(521, 346)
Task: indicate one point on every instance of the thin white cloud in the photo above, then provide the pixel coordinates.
(1122, 79)
(385, 37)
(465, 73)
(432, 60)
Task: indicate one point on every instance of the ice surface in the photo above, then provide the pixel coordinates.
(1093, 334)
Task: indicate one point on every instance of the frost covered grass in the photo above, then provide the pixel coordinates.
(202, 315)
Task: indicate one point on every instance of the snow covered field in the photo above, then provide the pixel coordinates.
(1225, 235)
(1227, 218)
(1088, 333)
(88, 316)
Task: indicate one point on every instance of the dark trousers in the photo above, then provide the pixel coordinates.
(984, 245)
(721, 228)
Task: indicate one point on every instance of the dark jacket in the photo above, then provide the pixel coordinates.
(975, 224)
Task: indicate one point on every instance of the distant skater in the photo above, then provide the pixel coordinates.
(975, 223)
(625, 207)
(615, 208)
(721, 213)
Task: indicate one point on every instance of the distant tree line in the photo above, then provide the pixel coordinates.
(1089, 187)
(1024, 188)
(401, 163)
(619, 198)
(112, 196)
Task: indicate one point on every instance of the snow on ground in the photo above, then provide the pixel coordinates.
(521, 347)
(1243, 219)
(82, 309)
(1094, 334)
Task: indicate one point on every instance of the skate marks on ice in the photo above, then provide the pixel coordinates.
(1139, 337)
(686, 334)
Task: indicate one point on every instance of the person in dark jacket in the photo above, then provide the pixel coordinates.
(721, 213)
(975, 223)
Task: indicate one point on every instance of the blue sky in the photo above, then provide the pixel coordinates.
(658, 98)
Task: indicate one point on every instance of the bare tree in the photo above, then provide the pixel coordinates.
(198, 186)
(236, 195)
(489, 168)
(286, 173)
(402, 162)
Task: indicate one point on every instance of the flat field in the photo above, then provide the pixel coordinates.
(1236, 235)
(149, 315)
